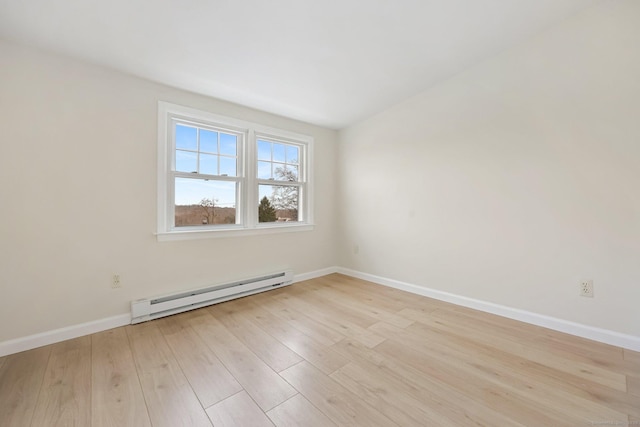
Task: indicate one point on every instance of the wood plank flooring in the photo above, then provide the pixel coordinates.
(333, 351)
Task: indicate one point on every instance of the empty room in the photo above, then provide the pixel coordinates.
(331, 213)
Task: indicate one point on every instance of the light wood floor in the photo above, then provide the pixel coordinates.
(330, 351)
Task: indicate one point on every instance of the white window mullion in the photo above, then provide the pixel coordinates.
(251, 189)
(170, 177)
(171, 208)
(241, 172)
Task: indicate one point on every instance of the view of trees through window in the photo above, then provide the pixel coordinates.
(282, 199)
(204, 213)
(279, 183)
(205, 200)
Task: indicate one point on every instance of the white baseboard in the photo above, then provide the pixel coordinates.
(50, 337)
(314, 274)
(597, 334)
(606, 336)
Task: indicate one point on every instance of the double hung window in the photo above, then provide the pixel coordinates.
(220, 176)
(278, 179)
(207, 178)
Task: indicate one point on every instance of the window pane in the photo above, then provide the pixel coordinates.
(186, 137)
(291, 173)
(279, 172)
(292, 154)
(186, 161)
(200, 202)
(278, 152)
(264, 170)
(264, 150)
(228, 166)
(209, 164)
(228, 144)
(281, 204)
(208, 141)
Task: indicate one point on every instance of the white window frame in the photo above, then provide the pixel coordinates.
(247, 193)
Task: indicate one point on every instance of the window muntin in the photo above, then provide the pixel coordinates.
(205, 151)
(205, 175)
(278, 160)
(209, 177)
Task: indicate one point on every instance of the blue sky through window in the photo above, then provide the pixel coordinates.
(208, 152)
(192, 191)
(186, 137)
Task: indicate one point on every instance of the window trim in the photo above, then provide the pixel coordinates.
(247, 175)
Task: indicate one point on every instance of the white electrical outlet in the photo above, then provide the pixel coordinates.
(115, 281)
(586, 288)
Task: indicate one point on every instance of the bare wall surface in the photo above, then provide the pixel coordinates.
(509, 183)
(78, 191)
(513, 181)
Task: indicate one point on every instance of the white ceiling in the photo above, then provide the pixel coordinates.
(327, 62)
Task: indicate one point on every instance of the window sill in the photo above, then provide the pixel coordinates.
(229, 232)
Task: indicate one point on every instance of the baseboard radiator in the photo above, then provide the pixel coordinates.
(146, 309)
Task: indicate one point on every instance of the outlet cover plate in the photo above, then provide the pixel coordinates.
(586, 288)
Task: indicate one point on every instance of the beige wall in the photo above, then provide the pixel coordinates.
(78, 197)
(512, 181)
(508, 183)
